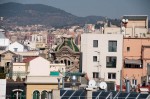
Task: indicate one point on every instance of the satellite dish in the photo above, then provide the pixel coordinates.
(92, 83)
(103, 85)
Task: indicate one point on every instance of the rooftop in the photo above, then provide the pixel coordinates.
(135, 17)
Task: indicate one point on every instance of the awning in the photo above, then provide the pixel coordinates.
(132, 61)
(144, 90)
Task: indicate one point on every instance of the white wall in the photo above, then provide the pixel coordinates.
(2, 88)
(4, 42)
(39, 67)
(20, 48)
(88, 66)
(57, 67)
(19, 69)
(112, 30)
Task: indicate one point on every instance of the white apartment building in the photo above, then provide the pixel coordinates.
(102, 56)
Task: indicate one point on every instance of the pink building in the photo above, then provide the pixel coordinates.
(136, 59)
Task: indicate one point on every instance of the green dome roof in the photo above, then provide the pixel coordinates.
(68, 42)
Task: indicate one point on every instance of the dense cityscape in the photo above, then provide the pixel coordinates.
(90, 61)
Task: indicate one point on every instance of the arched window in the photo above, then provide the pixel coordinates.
(61, 61)
(65, 61)
(68, 62)
(18, 94)
(49, 95)
(44, 95)
(36, 94)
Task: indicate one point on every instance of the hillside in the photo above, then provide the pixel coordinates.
(29, 14)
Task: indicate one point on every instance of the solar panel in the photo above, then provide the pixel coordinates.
(67, 94)
(95, 94)
(76, 95)
(83, 95)
(62, 92)
(103, 95)
(122, 95)
(114, 94)
(143, 96)
(132, 96)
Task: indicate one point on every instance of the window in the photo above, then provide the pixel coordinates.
(111, 75)
(112, 46)
(128, 49)
(44, 95)
(15, 49)
(133, 66)
(111, 62)
(95, 43)
(95, 75)
(61, 61)
(94, 58)
(7, 64)
(68, 62)
(65, 61)
(18, 94)
(134, 82)
(36, 95)
(49, 95)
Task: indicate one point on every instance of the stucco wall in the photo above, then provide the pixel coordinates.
(39, 67)
(88, 66)
(40, 88)
(20, 48)
(135, 52)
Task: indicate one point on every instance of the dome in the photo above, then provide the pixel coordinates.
(68, 41)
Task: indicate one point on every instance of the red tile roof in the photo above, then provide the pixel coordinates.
(28, 59)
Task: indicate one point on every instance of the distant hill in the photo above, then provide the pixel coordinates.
(30, 14)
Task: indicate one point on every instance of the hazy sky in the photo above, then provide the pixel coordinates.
(109, 8)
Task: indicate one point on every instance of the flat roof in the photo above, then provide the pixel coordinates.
(135, 17)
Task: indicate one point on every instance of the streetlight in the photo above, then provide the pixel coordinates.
(125, 21)
(74, 80)
(58, 82)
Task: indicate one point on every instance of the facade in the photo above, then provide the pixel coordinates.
(102, 56)
(136, 59)
(3, 88)
(68, 53)
(42, 78)
(6, 59)
(35, 68)
(112, 30)
(16, 47)
(135, 25)
(19, 71)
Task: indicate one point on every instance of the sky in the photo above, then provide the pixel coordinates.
(108, 8)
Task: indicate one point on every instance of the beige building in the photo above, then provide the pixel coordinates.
(135, 25)
(6, 60)
(42, 78)
(136, 59)
(19, 71)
